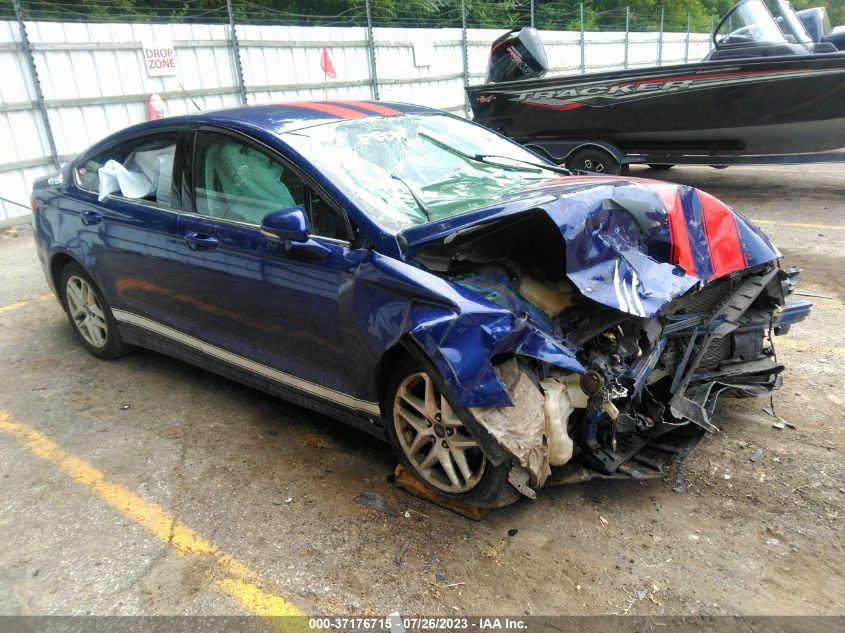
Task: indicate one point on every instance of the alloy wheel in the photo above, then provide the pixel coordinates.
(433, 438)
(86, 312)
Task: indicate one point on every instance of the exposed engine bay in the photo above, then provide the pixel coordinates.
(650, 382)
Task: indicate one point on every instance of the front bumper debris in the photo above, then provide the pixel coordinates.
(636, 420)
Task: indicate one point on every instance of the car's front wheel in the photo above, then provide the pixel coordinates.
(89, 314)
(432, 441)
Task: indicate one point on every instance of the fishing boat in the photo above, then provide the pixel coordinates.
(765, 94)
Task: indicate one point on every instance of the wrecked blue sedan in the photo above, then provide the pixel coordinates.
(502, 323)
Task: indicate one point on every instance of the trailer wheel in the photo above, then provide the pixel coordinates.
(660, 166)
(595, 160)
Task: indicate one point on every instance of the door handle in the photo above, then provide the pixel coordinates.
(90, 217)
(201, 241)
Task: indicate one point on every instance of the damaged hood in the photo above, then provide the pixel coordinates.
(631, 244)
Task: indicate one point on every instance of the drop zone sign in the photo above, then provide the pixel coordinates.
(159, 58)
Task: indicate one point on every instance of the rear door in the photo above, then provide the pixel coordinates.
(129, 197)
(250, 300)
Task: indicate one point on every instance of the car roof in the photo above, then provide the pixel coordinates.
(288, 116)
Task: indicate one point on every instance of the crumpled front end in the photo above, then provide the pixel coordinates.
(664, 297)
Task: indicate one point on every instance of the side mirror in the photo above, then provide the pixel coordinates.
(287, 225)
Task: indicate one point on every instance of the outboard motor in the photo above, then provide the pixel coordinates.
(518, 54)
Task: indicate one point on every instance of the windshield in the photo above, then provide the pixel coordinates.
(792, 23)
(827, 29)
(748, 23)
(416, 168)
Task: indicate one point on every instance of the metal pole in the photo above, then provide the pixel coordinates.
(583, 56)
(660, 40)
(236, 51)
(686, 46)
(372, 46)
(532, 12)
(627, 34)
(465, 50)
(36, 83)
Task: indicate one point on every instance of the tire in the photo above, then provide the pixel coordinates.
(431, 430)
(594, 160)
(89, 314)
(660, 166)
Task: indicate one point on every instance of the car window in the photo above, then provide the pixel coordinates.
(234, 180)
(324, 221)
(140, 169)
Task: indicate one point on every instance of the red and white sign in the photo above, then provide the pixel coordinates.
(159, 58)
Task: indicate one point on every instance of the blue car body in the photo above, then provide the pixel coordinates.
(319, 323)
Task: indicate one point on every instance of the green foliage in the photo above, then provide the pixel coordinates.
(603, 15)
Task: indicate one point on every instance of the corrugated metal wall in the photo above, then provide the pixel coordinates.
(94, 80)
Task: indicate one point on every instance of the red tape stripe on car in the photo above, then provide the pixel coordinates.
(681, 252)
(371, 107)
(338, 111)
(726, 252)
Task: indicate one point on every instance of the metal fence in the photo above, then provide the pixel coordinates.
(67, 84)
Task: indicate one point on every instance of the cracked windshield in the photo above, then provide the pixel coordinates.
(413, 169)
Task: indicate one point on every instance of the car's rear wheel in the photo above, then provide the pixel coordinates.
(432, 441)
(89, 314)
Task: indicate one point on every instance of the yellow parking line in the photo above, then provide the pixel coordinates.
(25, 302)
(800, 225)
(233, 576)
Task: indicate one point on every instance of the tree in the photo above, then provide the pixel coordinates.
(498, 14)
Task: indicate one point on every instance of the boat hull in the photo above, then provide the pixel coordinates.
(787, 105)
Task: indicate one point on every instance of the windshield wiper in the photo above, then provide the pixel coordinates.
(420, 202)
(484, 158)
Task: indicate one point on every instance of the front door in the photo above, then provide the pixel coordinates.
(251, 300)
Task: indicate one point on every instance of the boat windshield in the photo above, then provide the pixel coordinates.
(791, 24)
(417, 168)
(748, 23)
(827, 29)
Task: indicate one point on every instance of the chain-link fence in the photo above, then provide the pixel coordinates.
(481, 14)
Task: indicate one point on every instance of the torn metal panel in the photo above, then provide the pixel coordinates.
(459, 330)
(631, 244)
